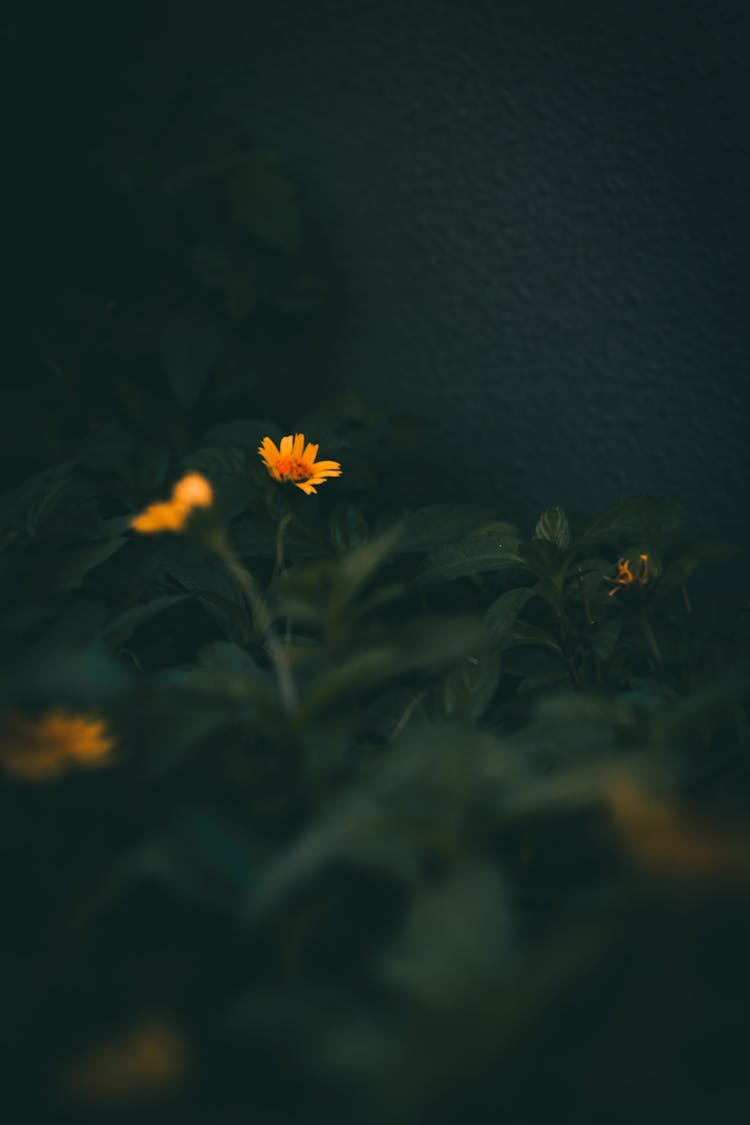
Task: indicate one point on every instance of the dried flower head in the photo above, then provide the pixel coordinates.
(625, 576)
(294, 462)
(192, 491)
(38, 748)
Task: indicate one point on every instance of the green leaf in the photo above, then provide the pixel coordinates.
(466, 691)
(502, 613)
(261, 200)
(300, 294)
(604, 635)
(242, 431)
(347, 527)
(213, 153)
(438, 524)
(553, 525)
(356, 568)
(72, 564)
(214, 265)
(225, 654)
(642, 517)
(121, 627)
(456, 941)
(550, 564)
(189, 346)
(521, 633)
(430, 643)
(687, 559)
(477, 554)
(254, 537)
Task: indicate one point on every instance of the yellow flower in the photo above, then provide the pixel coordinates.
(144, 1062)
(625, 576)
(193, 491)
(37, 749)
(291, 461)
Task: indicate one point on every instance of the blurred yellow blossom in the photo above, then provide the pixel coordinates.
(40, 748)
(294, 462)
(666, 840)
(192, 491)
(140, 1064)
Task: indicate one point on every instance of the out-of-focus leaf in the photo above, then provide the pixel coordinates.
(301, 294)
(518, 633)
(360, 564)
(213, 265)
(553, 525)
(550, 564)
(477, 554)
(109, 449)
(347, 526)
(120, 628)
(15, 504)
(72, 564)
(224, 654)
(189, 346)
(646, 517)
(213, 153)
(466, 691)
(79, 676)
(604, 635)
(261, 200)
(503, 612)
(687, 559)
(427, 644)
(438, 524)
(254, 537)
(242, 432)
(129, 166)
(456, 940)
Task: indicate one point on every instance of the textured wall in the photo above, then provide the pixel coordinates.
(539, 216)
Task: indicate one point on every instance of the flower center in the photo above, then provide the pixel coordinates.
(290, 468)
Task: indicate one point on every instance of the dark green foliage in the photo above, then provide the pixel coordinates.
(492, 861)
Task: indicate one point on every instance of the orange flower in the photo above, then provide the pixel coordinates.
(36, 749)
(193, 491)
(143, 1063)
(625, 576)
(291, 461)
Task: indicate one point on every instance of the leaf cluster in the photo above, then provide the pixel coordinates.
(490, 858)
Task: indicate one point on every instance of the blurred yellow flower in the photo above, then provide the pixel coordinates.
(44, 747)
(665, 839)
(625, 576)
(141, 1064)
(292, 461)
(193, 491)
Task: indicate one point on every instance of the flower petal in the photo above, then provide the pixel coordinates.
(307, 486)
(299, 445)
(286, 446)
(310, 453)
(193, 491)
(329, 468)
(269, 451)
(166, 516)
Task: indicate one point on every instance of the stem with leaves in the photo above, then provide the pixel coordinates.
(262, 619)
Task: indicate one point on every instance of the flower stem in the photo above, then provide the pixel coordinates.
(651, 640)
(264, 623)
(284, 522)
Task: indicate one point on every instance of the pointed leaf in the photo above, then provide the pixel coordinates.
(477, 554)
(553, 525)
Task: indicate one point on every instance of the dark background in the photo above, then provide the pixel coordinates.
(535, 217)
